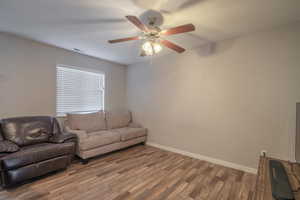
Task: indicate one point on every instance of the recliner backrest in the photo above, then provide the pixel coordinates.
(1, 133)
(29, 130)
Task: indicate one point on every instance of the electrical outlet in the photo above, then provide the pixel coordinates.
(263, 153)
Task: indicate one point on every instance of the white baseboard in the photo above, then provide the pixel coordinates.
(206, 158)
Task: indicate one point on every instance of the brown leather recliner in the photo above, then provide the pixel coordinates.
(31, 147)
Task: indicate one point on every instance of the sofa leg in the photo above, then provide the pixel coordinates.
(84, 161)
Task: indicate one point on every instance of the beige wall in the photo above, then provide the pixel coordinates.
(28, 77)
(229, 105)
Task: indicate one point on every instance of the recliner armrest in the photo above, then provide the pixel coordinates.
(7, 146)
(63, 137)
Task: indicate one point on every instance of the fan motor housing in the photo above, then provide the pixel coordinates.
(152, 18)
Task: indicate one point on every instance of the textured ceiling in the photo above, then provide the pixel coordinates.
(88, 24)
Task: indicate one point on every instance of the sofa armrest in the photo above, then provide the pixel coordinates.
(63, 137)
(135, 125)
(81, 134)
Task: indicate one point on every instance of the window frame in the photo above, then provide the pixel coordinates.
(83, 69)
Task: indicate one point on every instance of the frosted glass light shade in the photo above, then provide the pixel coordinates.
(151, 48)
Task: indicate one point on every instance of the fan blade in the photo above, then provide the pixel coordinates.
(179, 29)
(173, 46)
(124, 39)
(137, 23)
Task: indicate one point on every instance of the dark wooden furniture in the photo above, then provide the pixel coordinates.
(263, 185)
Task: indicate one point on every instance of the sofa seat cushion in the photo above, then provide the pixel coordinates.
(36, 153)
(99, 138)
(128, 133)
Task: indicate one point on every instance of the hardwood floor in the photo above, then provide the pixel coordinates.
(141, 173)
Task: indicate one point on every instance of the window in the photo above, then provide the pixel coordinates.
(78, 90)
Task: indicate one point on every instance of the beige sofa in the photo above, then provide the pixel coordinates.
(102, 132)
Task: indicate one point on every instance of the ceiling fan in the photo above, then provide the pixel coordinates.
(152, 36)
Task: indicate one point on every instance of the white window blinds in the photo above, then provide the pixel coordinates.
(78, 91)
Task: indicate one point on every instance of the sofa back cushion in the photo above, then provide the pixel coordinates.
(89, 122)
(118, 119)
(27, 130)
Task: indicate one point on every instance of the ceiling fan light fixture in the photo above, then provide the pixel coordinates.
(151, 35)
(150, 48)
